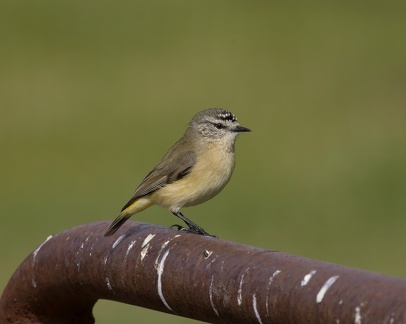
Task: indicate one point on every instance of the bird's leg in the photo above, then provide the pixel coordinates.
(193, 228)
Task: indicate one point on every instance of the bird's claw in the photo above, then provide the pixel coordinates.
(180, 228)
(192, 230)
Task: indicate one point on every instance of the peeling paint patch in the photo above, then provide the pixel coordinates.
(145, 245)
(163, 246)
(34, 255)
(91, 249)
(144, 252)
(307, 278)
(325, 287)
(160, 271)
(117, 242)
(212, 261)
(239, 295)
(271, 279)
(358, 317)
(83, 244)
(147, 239)
(80, 248)
(211, 296)
(254, 305)
(108, 283)
(130, 246)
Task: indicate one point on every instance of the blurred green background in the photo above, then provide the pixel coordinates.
(92, 94)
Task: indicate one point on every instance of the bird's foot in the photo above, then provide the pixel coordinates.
(180, 228)
(193, 230)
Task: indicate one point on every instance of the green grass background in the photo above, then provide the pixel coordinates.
(92, 94)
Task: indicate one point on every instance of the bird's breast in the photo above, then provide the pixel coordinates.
(208, 177)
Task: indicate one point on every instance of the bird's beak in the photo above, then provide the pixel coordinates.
(240, 129)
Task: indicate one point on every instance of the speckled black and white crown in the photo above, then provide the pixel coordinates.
(214, 114)
(226, 115)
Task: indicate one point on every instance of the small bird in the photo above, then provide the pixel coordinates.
(195, 169)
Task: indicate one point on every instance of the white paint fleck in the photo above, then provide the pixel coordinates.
(144, 252)
(83, 244)
(130, 246)
(271, 279)
(80, 248)
(145, 245)
(211, 296)
(117, 242)
(357, 315)
(239, 295)
(34, 255)
(108, 283)
(105, 260)
(392, 320)
(254, 305)
(325, 287)
(340, 302)
(163, 246)
(91, 249)
(160, 271)
(177, 235)
(307, 278)
(147, 239)
(77, 254)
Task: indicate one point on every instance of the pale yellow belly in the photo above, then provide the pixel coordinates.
(208, 177)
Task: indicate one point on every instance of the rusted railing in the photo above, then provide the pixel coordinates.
(193, 276)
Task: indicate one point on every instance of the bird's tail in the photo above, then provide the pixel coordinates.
(137, 206)
(116, 224)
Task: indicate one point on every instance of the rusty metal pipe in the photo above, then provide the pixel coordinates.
(204, 278)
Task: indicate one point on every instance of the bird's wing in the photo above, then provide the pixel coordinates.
(170, 169)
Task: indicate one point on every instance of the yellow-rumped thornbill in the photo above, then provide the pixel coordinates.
(195, 169)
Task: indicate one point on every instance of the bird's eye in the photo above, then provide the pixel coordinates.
(219, 126)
